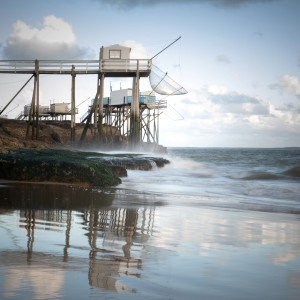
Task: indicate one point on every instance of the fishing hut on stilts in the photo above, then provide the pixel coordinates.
(133, 120)
(122, 118)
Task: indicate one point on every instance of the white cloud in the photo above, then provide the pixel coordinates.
(291, 84)
(218, 99)
(233, 102)
(216, 115)
(138, 50)
(217, 89)
(55, 39)
(288, 118)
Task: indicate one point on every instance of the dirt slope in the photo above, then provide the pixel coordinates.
(52, 134)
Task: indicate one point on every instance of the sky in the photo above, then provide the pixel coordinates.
(239, 60)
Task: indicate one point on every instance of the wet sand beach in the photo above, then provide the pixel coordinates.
(195, 229)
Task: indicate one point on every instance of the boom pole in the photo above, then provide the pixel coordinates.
(166, 48)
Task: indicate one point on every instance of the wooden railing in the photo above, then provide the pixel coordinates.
(49, 66)
(76, 66)
(125, 65)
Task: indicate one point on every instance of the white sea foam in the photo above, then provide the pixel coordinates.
(224, 178)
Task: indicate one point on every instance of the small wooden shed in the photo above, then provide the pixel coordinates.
(115, 51)
(60, 108)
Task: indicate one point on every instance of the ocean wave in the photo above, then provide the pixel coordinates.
(184, 164)
(271, 207)
(228, 202)
(261, 176)
(293, 172)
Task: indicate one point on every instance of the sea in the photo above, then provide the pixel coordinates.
(215, 223)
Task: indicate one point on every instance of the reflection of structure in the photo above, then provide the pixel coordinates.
(117, 231)
(29, 226)
(111, 242)
(115, 235)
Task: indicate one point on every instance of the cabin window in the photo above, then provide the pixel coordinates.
(116, 54)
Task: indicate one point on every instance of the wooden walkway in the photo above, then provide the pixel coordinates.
(104, 68)
(109, 67)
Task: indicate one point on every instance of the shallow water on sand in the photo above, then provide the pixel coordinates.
(199, 228)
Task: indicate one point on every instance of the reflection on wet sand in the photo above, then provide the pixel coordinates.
(216, 229)
(39, 277)
(51, 197)
(118, 228)
(80, 230)
(111, 233)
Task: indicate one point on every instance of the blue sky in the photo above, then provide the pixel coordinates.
(238, 59)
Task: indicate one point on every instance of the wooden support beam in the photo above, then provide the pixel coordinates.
(19, 91)
(92, 111)
(100, 118)
(31, 112)
(135, 126)
(37, 108)
(73, 106)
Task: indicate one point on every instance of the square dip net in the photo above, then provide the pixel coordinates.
(162, 84)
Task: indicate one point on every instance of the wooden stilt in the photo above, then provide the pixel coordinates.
(37, 108)
(73, 108)
(100, 118)
(31, 112)
(135, 134)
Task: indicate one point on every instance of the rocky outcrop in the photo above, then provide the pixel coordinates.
(66, 166)
(136, 162)
(61, 166)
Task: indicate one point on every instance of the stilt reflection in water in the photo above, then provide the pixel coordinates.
(113, 244)
(199, 228)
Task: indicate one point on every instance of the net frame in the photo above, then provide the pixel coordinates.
(163, 84)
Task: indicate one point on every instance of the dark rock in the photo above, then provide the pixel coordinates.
(66, 166)
(135, 162)
(61, 166)
(55, 136)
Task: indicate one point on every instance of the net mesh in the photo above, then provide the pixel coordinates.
(162, 84)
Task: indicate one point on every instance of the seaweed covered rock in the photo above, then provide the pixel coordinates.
(136, 162)
(54, 165)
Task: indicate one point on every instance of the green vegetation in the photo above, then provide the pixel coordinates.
(61, 166)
